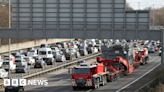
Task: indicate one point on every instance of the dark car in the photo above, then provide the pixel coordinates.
(22, 69)
(14, 88)
(40, 64)
(44, 46)
(151, 50)
(90, 50)
(25, 53)
(63, 44)
(31, 48)
(83, 52)
(49, 61)
(15, 53)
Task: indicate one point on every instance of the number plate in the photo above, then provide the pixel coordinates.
(37, 65)
(116, 51)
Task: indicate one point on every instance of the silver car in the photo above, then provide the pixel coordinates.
(61, 57)
(22, 69)
(151, 50)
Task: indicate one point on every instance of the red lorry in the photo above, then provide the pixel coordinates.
(115, 62)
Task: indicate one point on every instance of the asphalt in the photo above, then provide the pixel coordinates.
(60, 81)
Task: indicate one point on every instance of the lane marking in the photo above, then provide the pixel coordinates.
(138, 78)
(89, 90)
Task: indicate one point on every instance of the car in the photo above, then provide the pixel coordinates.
(22, 69)
(98, 46)
(49, 61)
(80, 61)
(60, 57)
(19, 51)
(15, 53)
(55, 53)
(58, 45)
(45, 53)
(19, 62)
(77, 53)
(144, 42)
(63, 44)
(52, 45)
(129, 40)
(70, 57)
(95, 50)
(6, 57)
(90, 50)
(160, 52)
(25, 53)
(31, 48)
(98, 41)
(3, 73)
(19, 57)
(40, 64)
(32, 54)
(34, 51)
(5, 65)
(55, 48)
(156, 48)
(159, 45)
(135, 44)
(151, 50)
(65, 50)
(1, 62)
(44, 46)
(14, 88)
(68, 44)
(30, 60)
(37, 58)
(83, 52)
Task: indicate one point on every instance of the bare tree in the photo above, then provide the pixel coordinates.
(128, 7)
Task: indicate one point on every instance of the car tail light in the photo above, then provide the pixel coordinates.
(23, 68)
(51, 61)
(40, 63)
(34, 63)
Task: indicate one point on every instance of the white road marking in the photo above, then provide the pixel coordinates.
(89, 90)
(138, 78)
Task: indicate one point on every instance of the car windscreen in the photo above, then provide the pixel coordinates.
(81, 71)
(17, 60)
(43, 45)
(5, 63)
(17, 56)
(13, 54)
(32, 51)
(42, 52)
(26, 59)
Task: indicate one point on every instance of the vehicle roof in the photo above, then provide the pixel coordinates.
(45, 49)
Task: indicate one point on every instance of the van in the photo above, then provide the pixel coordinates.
(45, 53)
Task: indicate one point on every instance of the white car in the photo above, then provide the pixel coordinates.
(34, 51)
(60, 58)
(30, 60)
(3, 73)
(5, 65)
(32, 54)
(1, 62)
(95, 50)
(6, 57)
(55, 48)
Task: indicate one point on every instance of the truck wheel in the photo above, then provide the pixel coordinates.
(103, 81)
(111, 79)
(95, 84)
(98, 83)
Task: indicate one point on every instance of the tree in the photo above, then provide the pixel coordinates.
(128, 7)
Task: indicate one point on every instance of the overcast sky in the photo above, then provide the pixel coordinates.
(145, 3)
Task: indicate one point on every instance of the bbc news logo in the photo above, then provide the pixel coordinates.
(24, 82)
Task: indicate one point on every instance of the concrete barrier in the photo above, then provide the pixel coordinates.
(34, 43)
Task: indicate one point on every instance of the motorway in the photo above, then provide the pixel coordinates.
(60, 81)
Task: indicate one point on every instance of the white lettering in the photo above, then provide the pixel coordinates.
(35, 82)
(40, 82)
(45, 82)
(30, 82)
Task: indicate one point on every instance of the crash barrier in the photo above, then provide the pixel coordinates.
(152, 84)
(34, 43)
(52, 68)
